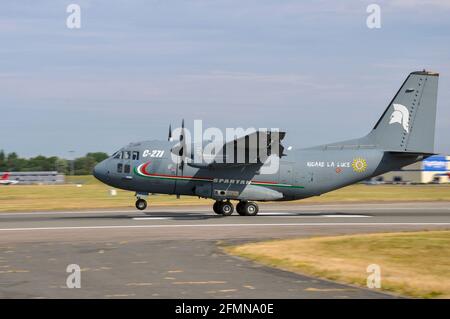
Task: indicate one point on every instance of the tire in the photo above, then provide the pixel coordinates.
(216, 208)
(240, 208)
(226, 208)
(251, 209)
(141, 204)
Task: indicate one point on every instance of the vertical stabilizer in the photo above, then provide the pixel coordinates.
(408, 123)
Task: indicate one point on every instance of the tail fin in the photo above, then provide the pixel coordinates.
(5, 176)
(408, 123)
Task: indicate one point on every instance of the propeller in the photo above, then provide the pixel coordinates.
(182, 151)
(169, 138)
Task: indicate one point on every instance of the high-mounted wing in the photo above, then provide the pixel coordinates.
(251, 149)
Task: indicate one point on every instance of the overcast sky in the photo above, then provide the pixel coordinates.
(312, 68)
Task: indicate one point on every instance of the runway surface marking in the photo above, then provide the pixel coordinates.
(265, 215)
(222, 225)
(406, 206)
(300, 217)
(151, 218)
(342, 216)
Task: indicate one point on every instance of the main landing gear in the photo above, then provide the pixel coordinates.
(243, 208)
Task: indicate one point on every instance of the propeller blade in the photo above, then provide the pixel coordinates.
(182, 131)
(182, 152)
(170, 133)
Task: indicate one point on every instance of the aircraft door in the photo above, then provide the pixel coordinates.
(162, 171)
(182, 185)
(303, 177)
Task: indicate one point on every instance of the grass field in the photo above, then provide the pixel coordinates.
(93, 194)
(415, 264)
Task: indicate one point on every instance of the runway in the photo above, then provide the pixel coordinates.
(174, 252)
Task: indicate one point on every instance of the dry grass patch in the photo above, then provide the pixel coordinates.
(415, 264)
(67, 197)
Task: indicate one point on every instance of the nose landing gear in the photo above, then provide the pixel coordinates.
(141, 204)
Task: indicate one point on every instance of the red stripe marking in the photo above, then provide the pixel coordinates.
(144, 168)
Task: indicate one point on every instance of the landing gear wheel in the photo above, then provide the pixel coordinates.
(251, 209)
(226, 208)
(240, 208)
(216, 208)
(141, 204)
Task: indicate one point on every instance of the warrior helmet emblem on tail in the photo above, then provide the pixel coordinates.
(400, 115)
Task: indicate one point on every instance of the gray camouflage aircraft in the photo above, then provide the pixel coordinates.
(403, 135)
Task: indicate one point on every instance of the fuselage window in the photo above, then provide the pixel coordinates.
(117, 155)
(126, 155)
(119, 168)
(126, 168)
(135, 156)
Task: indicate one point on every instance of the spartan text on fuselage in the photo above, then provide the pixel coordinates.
(231, 181)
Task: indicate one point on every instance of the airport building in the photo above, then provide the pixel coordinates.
(44, 177)
(434, 169)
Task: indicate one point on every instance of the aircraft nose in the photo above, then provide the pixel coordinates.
(101, 171)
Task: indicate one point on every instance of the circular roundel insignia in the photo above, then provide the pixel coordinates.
(359, 165)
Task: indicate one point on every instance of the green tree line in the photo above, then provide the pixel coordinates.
(81, 165)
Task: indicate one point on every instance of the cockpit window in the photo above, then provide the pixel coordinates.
(126, 155)
(117, 155)
(135, 156)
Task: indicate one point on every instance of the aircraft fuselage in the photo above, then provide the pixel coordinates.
(303, 173)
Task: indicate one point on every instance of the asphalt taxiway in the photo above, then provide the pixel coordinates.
(174, 252)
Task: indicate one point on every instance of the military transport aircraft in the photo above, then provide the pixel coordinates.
(403, 135)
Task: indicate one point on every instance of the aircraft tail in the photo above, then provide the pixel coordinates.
(408, 123)
(5, 176)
